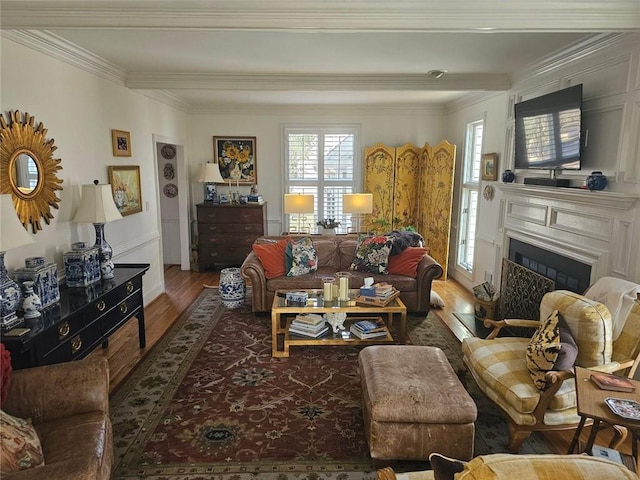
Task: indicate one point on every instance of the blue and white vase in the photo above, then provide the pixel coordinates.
(232, 288)
(31, 303)
(508, 176)
(596, 181)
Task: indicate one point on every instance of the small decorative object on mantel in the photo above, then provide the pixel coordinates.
(31, 303)
(596, 181)
(508, 176)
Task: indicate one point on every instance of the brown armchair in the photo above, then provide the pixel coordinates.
(68, 404)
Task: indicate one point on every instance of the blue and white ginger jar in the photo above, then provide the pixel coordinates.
(596, 181)
(232, 288)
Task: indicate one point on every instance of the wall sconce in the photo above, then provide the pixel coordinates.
(357, 203)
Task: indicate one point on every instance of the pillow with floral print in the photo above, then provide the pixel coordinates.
(372, 254)
(304, 258)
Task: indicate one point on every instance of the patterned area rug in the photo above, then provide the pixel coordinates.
(209, 402)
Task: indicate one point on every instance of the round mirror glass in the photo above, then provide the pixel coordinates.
(25, 174)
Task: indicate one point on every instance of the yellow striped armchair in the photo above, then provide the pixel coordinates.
(499, 367)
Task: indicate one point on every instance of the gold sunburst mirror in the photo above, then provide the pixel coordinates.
(28, 169)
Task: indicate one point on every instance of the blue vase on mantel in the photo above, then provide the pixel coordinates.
(596, 181)
(508, 176)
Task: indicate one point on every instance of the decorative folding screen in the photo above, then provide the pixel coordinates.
(413, 186)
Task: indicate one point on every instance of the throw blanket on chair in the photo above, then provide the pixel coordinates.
(618, 295)
(404, 239)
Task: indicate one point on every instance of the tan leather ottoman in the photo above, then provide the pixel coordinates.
(414, 404)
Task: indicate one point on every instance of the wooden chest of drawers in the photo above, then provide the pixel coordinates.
(84, 318)
(226, 232)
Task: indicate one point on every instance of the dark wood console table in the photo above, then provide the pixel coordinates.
(84, 318)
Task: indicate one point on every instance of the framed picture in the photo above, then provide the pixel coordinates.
(125, 186)
(236, 158)
(121, 143)
(489, 166)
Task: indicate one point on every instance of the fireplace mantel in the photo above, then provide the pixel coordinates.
(620, 201)
(595, 228)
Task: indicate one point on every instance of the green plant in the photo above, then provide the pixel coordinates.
(328, 223)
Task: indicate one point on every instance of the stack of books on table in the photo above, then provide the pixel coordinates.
(309, 325)
(380, 294)
(365, 329)
(255, 199)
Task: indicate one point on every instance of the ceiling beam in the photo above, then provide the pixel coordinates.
(326, 15)
(315, 82)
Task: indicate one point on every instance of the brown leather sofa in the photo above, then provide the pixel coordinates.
(335, 254)
(68, 404)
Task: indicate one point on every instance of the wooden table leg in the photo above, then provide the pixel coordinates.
(403, 327)
(576, 436)
(592, 436)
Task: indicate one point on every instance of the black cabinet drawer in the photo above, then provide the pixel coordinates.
(120, 313)
(60, 333)
(75, 347)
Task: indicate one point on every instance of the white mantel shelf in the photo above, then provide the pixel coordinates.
(621, 201)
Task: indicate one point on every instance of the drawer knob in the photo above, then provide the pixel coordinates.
(76, 344)
(101, 305)
(129, 287)
(123, 308)
(63, 330)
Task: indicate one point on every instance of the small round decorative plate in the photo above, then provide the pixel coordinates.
(170, 190)
(168, 152)
(169, 171)
(487, 193)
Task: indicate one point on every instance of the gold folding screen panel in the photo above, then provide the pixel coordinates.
(413, 186)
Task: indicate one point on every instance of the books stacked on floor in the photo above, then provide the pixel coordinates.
(309, 325)
(365, 329)
(255, 199)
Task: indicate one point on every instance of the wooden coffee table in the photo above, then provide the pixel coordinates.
(282, 315)
(591, 405)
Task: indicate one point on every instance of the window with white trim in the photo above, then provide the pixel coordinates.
(468, 214)
(321, 161)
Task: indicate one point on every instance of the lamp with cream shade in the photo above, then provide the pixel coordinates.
(209, 174)
(299, 203)
(358, 204)
(97, 207)
(12, 235)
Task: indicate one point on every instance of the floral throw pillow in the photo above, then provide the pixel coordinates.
(20, 444)
(372, 254)
(304, 258)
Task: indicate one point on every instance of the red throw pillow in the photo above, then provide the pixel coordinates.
(406, 262)
(271, 256)
(5, 372)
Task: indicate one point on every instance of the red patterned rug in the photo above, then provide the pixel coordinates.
(209, 402)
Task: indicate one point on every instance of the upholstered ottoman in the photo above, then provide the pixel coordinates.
(414, 404)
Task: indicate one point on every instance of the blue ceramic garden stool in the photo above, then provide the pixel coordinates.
(232, 288)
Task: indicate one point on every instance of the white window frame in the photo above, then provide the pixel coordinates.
(289, 222)
(469, 189)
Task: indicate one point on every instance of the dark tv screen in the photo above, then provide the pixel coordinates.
(548, 131)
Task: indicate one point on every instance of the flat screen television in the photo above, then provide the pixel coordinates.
(548, 131)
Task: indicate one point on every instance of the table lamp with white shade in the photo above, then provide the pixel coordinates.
(12, 235)
(97, 207)
(209, 174)
(358, 204)
(298, 203)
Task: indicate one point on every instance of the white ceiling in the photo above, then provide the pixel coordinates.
(230, 52)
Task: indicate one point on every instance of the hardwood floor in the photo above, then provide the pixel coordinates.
(183, 287)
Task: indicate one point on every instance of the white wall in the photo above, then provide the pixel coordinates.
(390, 126)
(79, 109)
(610, 74)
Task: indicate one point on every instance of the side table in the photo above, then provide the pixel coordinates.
(591, 405)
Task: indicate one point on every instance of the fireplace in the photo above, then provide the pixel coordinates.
(567, 273)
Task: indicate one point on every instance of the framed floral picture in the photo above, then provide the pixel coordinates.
(121, 143)
(489, 166)
(236, 158)
(125, 186)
